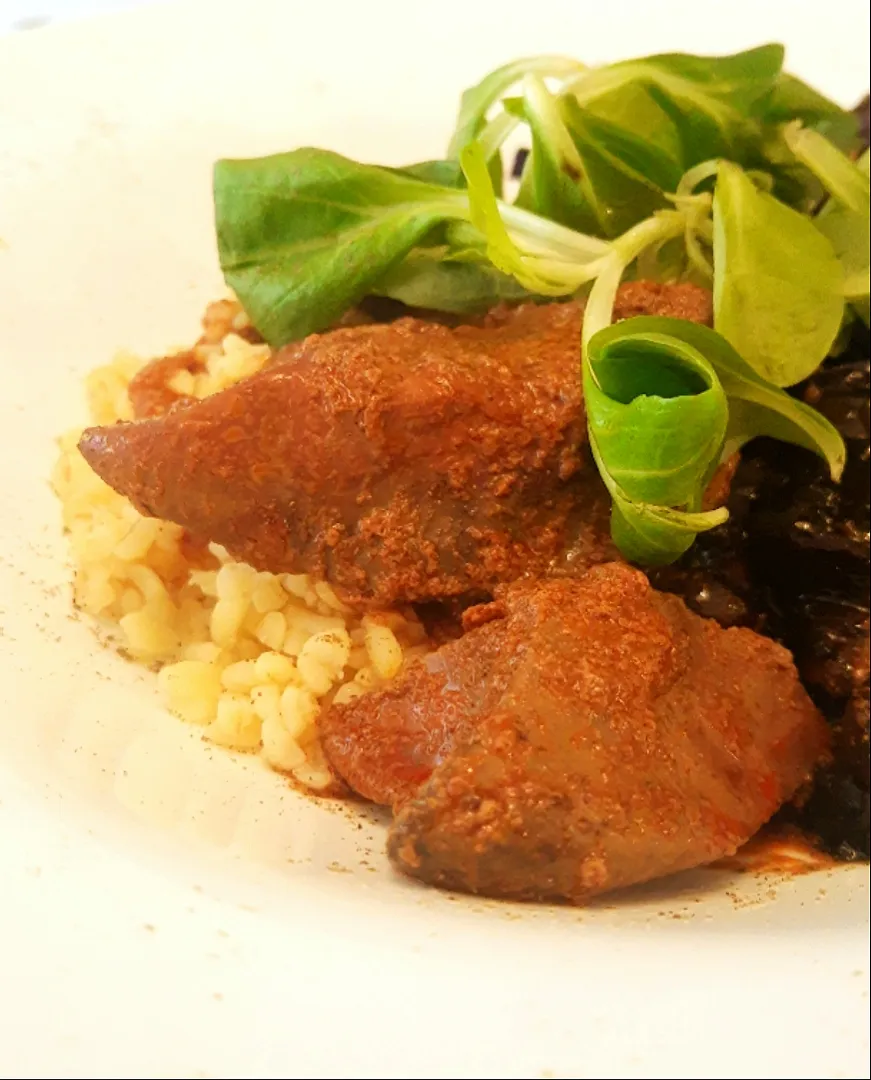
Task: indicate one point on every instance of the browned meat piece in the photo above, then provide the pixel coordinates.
(384, 749)
(400, 463)
(149, 391)
(669, 301)
(593, 735)
(397, 462)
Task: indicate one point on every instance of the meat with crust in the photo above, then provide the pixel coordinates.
(401, 462)
(591, 734)
(151, 392)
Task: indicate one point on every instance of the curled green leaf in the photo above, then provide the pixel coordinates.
(654, 535)
(657, 413)
(667, 400)
(657, 417)
(755, 406)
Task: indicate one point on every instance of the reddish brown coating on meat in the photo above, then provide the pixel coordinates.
(150, 392)
(400, 463)
(397, 462)
(669, 301)
(384, 747)
(597, 735)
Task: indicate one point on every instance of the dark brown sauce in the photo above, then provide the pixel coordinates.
(793, 563)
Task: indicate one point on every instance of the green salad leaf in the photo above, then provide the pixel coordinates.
(585, 171)
(655, 535)
(845, 218)
(632, 108)
(426, 279)
(623, 179)
(657, 419)
(778, 285)
(446, 173)
(304, 236)
(845, 181)
(791, 100)
(551, 180)
(709, 99)
(741, 79)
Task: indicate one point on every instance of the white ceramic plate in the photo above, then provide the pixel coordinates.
(168, 910)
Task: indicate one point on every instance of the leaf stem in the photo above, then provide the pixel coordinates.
(697, 175)
(662, 226)
(496, 132)
(558, 239)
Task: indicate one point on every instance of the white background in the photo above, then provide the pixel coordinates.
(24, 14)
